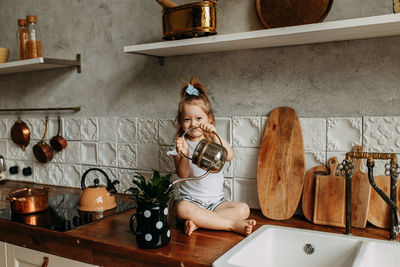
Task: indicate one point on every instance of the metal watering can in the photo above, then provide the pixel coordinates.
(207, 155)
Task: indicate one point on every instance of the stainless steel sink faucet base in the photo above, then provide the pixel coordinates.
(391, 169)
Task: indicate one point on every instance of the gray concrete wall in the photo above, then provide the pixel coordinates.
(351, 78)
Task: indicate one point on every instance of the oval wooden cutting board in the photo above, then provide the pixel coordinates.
(281, 165)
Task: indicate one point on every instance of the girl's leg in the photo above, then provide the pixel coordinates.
(198, 217)
(233, 210)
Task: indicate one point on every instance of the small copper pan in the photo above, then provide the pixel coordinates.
(42, 151)
(58, 142)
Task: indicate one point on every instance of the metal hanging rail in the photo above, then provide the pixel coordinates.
(75, 109)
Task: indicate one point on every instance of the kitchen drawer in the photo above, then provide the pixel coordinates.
(23, 257)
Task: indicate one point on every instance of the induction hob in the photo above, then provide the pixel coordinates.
(62, 214)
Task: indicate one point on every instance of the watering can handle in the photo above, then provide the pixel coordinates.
(188, 130)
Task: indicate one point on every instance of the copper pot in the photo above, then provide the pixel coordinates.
(20, 133)
(42, 151)
(190, 20)
(58, 142)
(28, 200)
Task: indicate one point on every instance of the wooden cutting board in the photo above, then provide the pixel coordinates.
(330, 191)
(379, 211)
(308, 197)
(281, 165)
(360, 193)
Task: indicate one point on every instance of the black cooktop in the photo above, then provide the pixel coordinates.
(62, 214)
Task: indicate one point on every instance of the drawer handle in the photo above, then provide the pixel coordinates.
(45, 261)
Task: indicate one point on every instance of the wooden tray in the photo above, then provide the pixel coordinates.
(283, 13)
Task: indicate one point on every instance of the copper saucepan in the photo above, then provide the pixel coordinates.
(20, 133)
(42, 151)
(58, 142)
(28, 200)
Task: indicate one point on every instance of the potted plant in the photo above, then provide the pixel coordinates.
(152, 212)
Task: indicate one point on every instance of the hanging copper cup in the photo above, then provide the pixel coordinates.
(42, 151)
(58, 142)
(20, 133)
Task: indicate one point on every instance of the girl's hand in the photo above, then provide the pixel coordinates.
(208, 130)
(182, 146)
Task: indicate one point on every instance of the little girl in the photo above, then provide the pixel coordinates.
(201, 202)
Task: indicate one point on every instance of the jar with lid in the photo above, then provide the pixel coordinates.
(34, 46)
(22, 39)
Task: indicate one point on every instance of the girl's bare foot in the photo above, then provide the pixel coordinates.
(244, 227)
(190, 227)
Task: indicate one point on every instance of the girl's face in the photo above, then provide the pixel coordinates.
(192, 115)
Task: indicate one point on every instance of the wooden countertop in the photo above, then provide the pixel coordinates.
(108, 242)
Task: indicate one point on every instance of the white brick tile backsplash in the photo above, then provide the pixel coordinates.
(16, 152)
(245, 162)
(245, 190)
(4, 130)
(127, 130)
(147, 131)
(127, 155)
(89, 129)
(56, 174)
(148, 157)
(72, 153)
(72, 129)
(3, 147)
(125, 177)
(53, 127)
(166, 162)
(72, 175)
(228, 169)
(89, 153)
(228, 189)
(59, 157)
(108, 129)
(224, 127)
(382, 134)
(246, 131)
(108, 154)
(166, 131)
(37, 127)
(124, 145)
(314, 133)
(343, 133)
(315, 159)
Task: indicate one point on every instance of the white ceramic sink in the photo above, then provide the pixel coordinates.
(276, 246)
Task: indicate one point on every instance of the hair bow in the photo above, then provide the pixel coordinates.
(190, 90)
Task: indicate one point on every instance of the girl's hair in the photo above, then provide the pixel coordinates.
(186, 98)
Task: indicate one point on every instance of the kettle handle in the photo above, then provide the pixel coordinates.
(195, 127)
(83, 186)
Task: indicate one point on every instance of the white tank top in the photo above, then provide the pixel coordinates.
(207, 189)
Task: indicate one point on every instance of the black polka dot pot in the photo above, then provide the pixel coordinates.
(152, 225)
